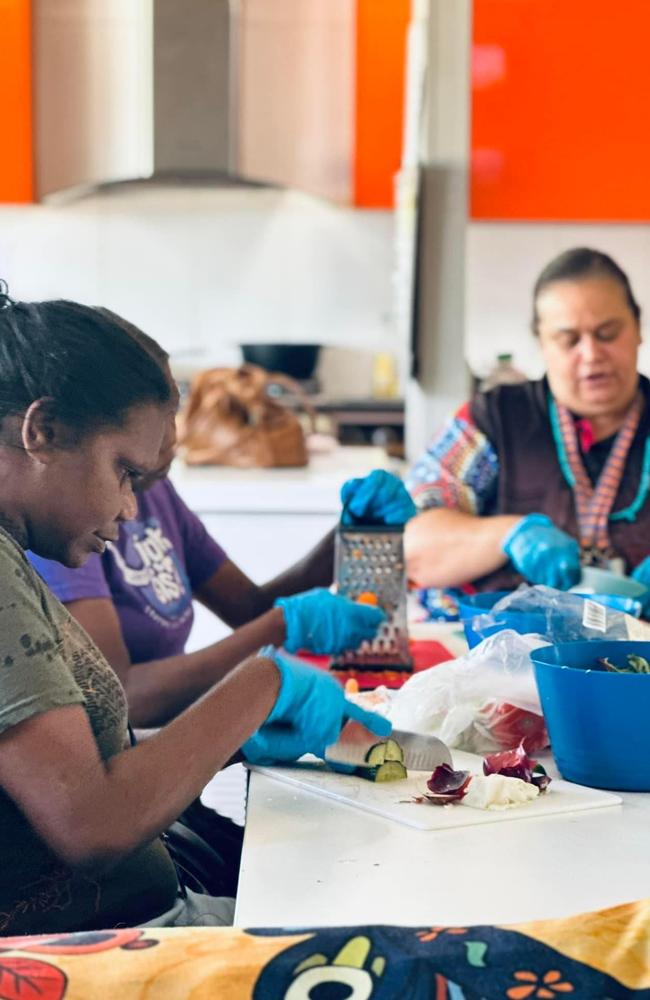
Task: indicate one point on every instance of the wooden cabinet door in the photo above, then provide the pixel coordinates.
(321, 95)
(296, 94)
(92, 92)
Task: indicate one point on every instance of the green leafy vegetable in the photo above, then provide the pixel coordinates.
(636, 665)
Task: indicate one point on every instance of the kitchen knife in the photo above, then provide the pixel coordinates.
(421, 753)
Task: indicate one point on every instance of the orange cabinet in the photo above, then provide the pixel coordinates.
(16, 159)
(379, 99)
(560, 105)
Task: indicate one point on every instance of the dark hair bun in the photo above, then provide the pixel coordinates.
(5, 301)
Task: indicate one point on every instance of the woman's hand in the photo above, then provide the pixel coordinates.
(325, 623)
(542, 553)
(308, 715)
(379, 498)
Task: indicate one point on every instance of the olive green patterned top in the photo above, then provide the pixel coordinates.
(47, 660)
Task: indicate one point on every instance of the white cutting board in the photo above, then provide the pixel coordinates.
(387, 798)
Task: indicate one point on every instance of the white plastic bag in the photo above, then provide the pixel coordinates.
(484, 701)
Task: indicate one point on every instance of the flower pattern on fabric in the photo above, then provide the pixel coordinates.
(546, 987)
(459, 469)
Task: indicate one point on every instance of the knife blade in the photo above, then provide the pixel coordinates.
(421, 753)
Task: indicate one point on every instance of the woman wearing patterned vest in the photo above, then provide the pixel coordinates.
(532, 481)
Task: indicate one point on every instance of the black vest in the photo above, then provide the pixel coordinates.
(516, 420)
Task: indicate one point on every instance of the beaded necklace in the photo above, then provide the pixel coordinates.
(594, 504)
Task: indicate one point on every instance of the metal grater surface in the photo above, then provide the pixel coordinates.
(370, 560)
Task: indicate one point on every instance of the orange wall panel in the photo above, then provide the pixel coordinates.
(561, 110)
(379, 99)
(16, 153)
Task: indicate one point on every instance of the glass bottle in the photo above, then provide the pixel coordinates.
(503, 373)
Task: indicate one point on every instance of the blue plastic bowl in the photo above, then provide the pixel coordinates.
(521, 621)
(481, 604)
(597, 720)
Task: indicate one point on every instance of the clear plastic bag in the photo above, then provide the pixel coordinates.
(484, 701)
(554, 614)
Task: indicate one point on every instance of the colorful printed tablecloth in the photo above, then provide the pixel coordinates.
(596, 955)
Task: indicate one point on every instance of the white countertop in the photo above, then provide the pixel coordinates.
(309, 861)
(313, 489)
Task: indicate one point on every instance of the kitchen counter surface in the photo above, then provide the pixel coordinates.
(310, 490)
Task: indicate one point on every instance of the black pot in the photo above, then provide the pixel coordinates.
(297, 360)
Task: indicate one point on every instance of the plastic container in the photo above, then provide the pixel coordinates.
(597, 721)
(481, 604)
(628, 605)
(521, 621)
(602, 581)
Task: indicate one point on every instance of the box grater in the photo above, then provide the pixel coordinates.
(370, 560)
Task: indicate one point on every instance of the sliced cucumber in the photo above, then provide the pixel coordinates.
(381, 753)
(376, 755)
(391, 770)
(394, 751)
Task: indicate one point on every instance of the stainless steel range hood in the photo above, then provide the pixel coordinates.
(194, 81)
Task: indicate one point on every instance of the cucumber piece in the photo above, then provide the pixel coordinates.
(381, 753)
(376, 755)
(393, 751)
(391, 770)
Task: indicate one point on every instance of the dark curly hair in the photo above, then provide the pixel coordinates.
(82, 359)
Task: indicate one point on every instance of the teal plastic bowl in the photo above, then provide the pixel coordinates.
(602, 581)
(597, 721)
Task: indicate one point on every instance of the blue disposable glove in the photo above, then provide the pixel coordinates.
(380, 498)
(642, 574)
(324, 623)
(308, 715)
(542, 553)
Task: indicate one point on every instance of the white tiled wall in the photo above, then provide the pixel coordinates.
(203, 269)
(503, 261)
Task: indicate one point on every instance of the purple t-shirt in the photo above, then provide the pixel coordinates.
(150, 573)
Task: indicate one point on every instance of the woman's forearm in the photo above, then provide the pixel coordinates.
(159, 689)
(316, 569)
(448, 548)
(236, 599)
(165, 773)
(92, 813)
